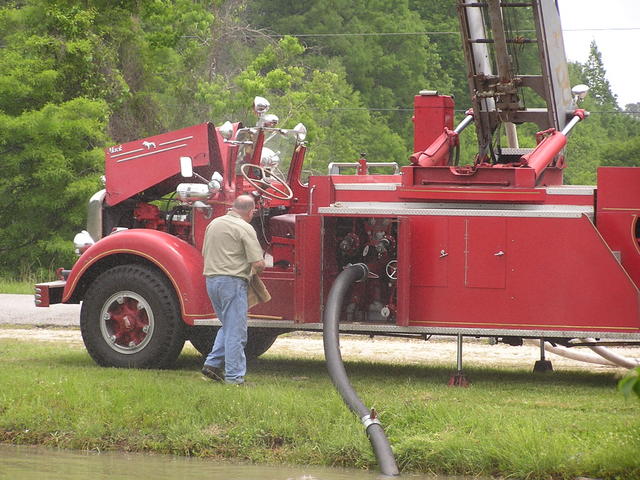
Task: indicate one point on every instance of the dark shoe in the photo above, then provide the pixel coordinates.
(215, 374)
(238, 383)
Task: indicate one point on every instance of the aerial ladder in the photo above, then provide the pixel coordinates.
(495, 35)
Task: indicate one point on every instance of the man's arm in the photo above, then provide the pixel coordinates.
(257, 267)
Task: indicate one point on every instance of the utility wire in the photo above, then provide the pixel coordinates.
(402, 109)
(386, 34)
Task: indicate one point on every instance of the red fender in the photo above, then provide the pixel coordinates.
(181, 262)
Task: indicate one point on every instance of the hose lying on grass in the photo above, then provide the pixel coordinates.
(338, 374)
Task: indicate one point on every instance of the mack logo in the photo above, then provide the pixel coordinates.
(115, 149)
(149, 145)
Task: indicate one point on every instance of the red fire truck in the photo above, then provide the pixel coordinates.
(493, 245)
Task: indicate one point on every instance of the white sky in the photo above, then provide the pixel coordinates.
(620, 48)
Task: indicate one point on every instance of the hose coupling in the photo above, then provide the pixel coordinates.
(367, 421)
(365, 270)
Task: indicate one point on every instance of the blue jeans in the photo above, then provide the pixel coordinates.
(229, 299)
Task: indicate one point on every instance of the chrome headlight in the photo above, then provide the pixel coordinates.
(190, 192)
(268, 120)
(300, 131)
(261, 105)
(82, 241)
(215, 184)
(269, 158)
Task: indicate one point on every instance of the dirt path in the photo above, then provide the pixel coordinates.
(22, 310)
(440, 351)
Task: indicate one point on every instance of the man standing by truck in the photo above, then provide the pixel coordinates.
(232, 254)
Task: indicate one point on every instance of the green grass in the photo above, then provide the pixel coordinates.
(16, 287)
(508, 423)
(23, 282)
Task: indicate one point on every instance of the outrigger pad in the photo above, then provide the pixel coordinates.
(458, 380)
(542, 366)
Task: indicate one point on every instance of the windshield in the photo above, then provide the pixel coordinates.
(277, 150)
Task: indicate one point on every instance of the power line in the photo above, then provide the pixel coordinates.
(404, 109)
(364, 34)
(609, 29)
(386, 34)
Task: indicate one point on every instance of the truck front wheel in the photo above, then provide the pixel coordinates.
(130, 317)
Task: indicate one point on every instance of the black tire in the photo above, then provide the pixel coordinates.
(202, 338)
(130, 318)
(259, 340)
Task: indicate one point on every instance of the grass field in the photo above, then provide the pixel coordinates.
(509, 423)
(16, 287)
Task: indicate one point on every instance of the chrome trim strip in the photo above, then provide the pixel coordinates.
(207, 322)
(384, 329)
(168, 142)
(115, 155)
(586, 190)
(452, 209)
(366, 186)
(578, 190)
(152, 152)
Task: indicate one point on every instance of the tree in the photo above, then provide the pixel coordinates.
(386, 70)
(51, 163)
(52, 127)
(633, 110)
(596, 78)
(78, 76)
(339, 126)
(623, 154)
(607, 136)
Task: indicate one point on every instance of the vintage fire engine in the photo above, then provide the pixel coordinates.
(493, 245)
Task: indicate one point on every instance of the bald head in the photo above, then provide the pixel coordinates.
(243, 203)
(244, 206)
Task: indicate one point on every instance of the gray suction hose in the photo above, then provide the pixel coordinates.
(619, 360)
(338, 374)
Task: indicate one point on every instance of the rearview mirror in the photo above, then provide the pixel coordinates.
(579, 92)
(226, 130)
(186, 167)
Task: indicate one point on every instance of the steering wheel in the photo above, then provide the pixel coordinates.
(392, 269)
(263, 182)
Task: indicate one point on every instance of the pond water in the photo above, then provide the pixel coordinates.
(31, 463)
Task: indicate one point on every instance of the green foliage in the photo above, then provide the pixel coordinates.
(340, 126)
(51, 163)
(630, 383)
(633, 109)
(624, 154)
(78, 76)
(386, 70)
(595, 76)
(607, 136)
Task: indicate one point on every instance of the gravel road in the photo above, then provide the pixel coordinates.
(22, 310)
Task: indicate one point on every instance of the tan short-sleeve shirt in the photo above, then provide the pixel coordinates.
(230, 247)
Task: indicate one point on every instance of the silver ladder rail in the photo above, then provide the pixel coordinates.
(496, 88)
